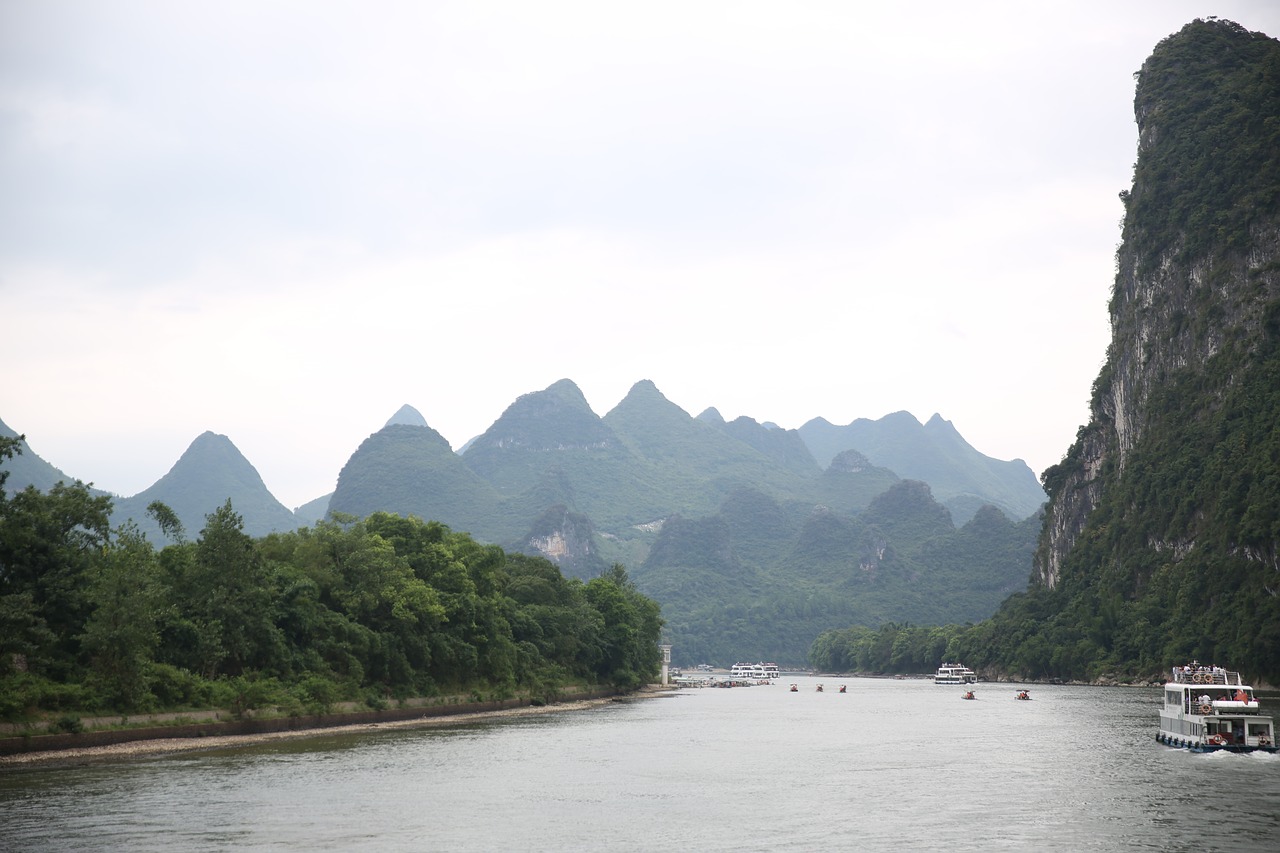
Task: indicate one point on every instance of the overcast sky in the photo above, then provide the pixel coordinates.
(280, 221)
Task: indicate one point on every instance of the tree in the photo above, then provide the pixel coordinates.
(121, 634)
(629, 654)
(229, 597)
(47, 543)
(168, 521)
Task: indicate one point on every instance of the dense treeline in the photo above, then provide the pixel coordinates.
(893, 648)
(1040, 635)
(98, 619)
(759, 580)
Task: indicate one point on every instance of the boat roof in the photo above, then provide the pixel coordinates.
(1203, 676)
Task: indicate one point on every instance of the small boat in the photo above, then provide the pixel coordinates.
(954, 673)
(1023, 694)
(795, 689)
(842, 688)
(969, 695)
(819, 688)
(1208, 708)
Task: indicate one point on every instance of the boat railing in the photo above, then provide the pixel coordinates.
(1206, 675)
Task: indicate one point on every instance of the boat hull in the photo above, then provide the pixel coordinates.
(1193, 745)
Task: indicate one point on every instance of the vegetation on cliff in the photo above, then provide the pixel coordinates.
(1161, 536)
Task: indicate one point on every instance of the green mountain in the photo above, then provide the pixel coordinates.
(210, 472)
(960, 477)
(760, 580)
(549, 448)
(28, 469)
(316, 510)
(412, 471)
(851, 482)
(1162, 534)
(784, 447)
(712, 518)
(695, 464)
(313, 511)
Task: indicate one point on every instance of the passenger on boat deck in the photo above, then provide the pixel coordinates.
(1241, 696)
(1204, 699)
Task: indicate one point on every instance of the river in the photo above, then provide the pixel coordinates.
(889, 765)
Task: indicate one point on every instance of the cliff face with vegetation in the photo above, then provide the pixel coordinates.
(1164, 512)
(1159, 543)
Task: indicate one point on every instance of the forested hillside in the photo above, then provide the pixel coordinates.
(760, 579)
(750, 547)
(93, 619)
(1160, 542)
(552, 479)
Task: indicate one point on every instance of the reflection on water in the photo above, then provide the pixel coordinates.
(899, 764)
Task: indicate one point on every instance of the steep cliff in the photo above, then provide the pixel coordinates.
(1164, 509)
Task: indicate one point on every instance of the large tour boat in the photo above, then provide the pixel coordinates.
(754, 670)
(1208, 708)
(954, 673)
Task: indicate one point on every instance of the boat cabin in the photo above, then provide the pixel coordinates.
(954, 673)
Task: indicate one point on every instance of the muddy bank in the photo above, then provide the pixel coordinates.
(202, 736)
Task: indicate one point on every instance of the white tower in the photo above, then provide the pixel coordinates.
(666, 663)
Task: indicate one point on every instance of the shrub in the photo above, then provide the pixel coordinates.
(67, 724)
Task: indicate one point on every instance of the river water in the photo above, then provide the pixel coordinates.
(889, 765)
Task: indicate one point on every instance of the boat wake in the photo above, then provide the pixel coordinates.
(1228, 755)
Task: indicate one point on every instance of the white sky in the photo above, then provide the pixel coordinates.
(281, 221)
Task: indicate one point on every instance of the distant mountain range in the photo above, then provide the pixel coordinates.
(837, 523)
(28, 469)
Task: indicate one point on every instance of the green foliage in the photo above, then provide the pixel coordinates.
(48, 542)
(317, 693)
(1177, 559)
(179, 689)
(893, 648)
(1210, 95)
(629, 629)
(68, 724)
(296, 622)
(25, 694)
(121, 633)
(759, 581)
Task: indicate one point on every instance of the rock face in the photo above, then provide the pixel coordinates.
(566, 539)
(1198, 269)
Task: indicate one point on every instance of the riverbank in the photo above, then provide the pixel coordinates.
(200, 737)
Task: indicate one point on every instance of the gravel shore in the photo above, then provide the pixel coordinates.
(188, 744)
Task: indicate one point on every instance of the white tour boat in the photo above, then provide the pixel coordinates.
(754, 670)
(955, 673)
(1208, 708)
